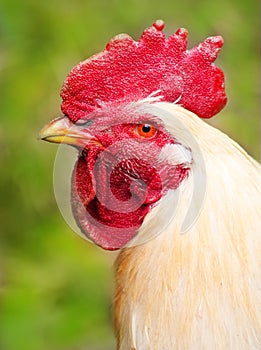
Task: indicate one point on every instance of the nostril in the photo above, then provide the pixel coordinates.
(84, 123)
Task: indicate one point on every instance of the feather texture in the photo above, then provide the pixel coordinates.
(200, 289)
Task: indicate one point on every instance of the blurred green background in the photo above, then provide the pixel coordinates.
(56, 290)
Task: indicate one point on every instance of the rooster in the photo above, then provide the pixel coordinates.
(177, 197)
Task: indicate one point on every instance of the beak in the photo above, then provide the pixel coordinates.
(63, 130)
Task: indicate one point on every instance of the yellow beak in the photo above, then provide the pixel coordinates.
(63, 130)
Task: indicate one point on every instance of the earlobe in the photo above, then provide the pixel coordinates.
(176, 154)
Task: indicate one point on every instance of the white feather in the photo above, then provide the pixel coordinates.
(200, 290)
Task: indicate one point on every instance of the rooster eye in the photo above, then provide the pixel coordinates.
(146, 130)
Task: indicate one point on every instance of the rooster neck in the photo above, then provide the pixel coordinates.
(198, 290)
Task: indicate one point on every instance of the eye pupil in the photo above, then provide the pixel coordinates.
(146, 128)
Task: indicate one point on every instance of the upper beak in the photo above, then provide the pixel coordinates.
(63, 130)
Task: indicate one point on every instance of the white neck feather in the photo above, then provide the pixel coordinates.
(200, 289)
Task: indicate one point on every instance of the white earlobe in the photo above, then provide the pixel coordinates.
(176, 154)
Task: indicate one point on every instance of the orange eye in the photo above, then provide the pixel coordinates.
(146, 130)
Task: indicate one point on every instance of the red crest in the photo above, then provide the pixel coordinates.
(127, 71)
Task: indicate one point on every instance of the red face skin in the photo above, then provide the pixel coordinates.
(118, 180)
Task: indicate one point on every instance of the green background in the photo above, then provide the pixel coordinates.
(55, 289)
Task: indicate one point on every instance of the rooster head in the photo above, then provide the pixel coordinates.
(128, 159)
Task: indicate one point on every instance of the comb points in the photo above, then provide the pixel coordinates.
(211, 47)
(128, 71)
(118, 41)
(159, 25)
(179, 41)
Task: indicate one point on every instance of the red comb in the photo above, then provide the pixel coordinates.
(128, 71)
